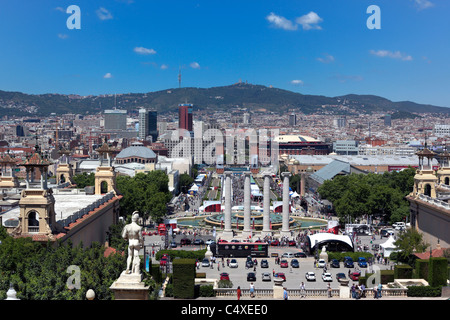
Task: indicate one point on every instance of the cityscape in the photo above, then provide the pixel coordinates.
(175, 180)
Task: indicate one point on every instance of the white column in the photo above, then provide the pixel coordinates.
(247, 206)
(227, 232)
(266, 203)
(285, 226)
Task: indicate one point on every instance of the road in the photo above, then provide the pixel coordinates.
(294, 276)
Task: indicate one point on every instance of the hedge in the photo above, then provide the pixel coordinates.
(437, 272)
(183, 278)
(354, 255)
(183, 254)
(403, 271)
(424, 291)
(386, 276)
(206, 291)
(421, 269)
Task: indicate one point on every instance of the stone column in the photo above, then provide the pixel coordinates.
(247, 206)
(285, 227)
(302, 184)
(266, 209)
(227, 232)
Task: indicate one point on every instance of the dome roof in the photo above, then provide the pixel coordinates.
(136, 151)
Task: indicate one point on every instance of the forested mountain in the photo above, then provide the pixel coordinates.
(250, 96)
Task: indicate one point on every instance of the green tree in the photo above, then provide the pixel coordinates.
(409, 242)
(83, 179)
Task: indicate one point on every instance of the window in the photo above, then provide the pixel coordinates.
(33, 222)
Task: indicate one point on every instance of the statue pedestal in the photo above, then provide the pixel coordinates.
(344, 292)
(130, 287)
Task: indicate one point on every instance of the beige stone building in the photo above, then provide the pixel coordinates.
(53, 213)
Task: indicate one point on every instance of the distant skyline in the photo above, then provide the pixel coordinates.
(319, 47)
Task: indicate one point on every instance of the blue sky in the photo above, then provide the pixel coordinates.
(313, 47)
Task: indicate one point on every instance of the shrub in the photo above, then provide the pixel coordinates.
(207, 291)
(403, 271)
(225, 284)
(184, 278)
(183, 254)
(421, 269)
(169, 290)
(437, 272)
(201, 275)
(424, 291)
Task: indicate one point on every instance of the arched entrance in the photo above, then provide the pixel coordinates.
(33, 222)
(427, 190)
(104, 187)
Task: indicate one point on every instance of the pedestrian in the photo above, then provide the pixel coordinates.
(302, 291)
(238, 293)
(329, 290)
(353, 291)
(379, 290)
(285, 294)
(252, 290)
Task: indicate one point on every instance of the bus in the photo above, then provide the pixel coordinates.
(242, 249)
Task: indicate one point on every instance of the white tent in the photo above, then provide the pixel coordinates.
(295, 195)
(388, 247)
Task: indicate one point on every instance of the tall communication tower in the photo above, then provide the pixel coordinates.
(179, 78)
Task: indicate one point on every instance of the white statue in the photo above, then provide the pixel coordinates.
(133, 233)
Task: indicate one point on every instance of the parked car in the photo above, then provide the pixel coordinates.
(173, 244)
(310, 276)
(251, 276)
(249, 264)
(266, 276)
(340, 276)
(294, 263)
(199, 241)
(280, 275)
(327, 277)
(185, 241)
(322, 263)
(205, 263)
(355, 276)
(264, 263)
(224, 276)
(300, 255)
(284, 263)
(287, 255)
(210, 242)
(362, 262)
(348, 262)
(292, 243)
(275, 243)
(233, 263)
(335, 263)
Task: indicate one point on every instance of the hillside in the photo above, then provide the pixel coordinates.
(215, 98)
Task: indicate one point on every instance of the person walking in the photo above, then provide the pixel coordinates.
(302, 291)
(238, 293)
(252, 290)
(285, 294)
(329, 290)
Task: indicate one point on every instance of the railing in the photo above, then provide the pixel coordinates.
(314, 293)
(434, 201)
(33, 229)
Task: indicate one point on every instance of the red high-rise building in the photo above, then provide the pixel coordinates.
(185, 117)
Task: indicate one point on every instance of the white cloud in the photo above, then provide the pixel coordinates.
(297, 82)
(142, 50)
(164, 67)
(281, 22)
(391, 54)
(327, 58)
(310, 21)
(194, 65)
(60, 9)
(107, 76)
(423, 4)
(103, 14)
(62, 36)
